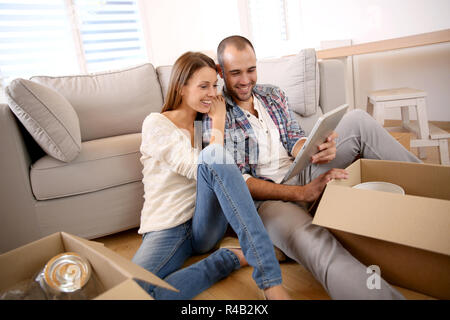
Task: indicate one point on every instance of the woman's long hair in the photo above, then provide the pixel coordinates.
(182, 71)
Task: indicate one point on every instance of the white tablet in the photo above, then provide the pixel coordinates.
(322, 129)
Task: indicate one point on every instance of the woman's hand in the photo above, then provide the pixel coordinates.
(217, 110)
(217, 114)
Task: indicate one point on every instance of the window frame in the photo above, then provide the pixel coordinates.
(74, 23)
(294, 29)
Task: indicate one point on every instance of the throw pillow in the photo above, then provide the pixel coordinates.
(48, 117)
(109, 103)
(297, 76)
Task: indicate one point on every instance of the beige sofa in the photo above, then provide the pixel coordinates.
(99, 191)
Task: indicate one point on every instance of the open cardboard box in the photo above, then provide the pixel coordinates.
(114, 272)
(407, 236)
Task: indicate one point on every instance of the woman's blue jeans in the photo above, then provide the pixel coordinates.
(222, 198)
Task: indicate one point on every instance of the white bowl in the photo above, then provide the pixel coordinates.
(380, 186)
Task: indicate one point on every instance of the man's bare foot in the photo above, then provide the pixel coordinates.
(277, 293)
(240, 255)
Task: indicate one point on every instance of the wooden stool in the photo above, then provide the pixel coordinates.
(405, 98)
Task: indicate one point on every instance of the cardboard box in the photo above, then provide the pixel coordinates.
(407, 236)
(114, 272)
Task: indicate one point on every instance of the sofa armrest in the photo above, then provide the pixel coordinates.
(17, 213)
(332, 84)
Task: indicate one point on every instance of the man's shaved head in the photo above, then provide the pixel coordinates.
(237, 67)
(238, 42)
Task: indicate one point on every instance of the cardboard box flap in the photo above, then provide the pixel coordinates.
(127, 290)
(381, 215)
(127, 268)
(354, 176)
(134, 271)
(434, 179)
(90, 243)
(29, 259)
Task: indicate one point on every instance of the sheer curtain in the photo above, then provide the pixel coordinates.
(275, 27)
(35, 38)
(55, 37)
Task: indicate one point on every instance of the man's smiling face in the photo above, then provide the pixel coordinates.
(239, 72)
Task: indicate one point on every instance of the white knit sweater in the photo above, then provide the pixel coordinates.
(169, 174)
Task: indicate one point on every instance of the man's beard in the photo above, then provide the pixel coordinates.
(233, 94)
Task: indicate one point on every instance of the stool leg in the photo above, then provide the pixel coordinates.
(378, 112)
(369, 106)
(405, 117)
(405, 121)
(443, 151)
(422, 119)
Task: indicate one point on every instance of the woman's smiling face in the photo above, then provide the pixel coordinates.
(199, 91)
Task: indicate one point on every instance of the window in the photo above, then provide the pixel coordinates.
(35, 38)
(55, 37)
(274, 26)
(268, 18)
(110, 34)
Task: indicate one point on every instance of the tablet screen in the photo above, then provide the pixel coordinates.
(321, 130)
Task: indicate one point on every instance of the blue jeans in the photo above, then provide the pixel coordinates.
(222, 198)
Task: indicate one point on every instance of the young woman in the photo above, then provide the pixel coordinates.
(192, 195)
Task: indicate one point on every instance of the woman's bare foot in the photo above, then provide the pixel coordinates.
(240, 255)
(273, 293)
(277, 293)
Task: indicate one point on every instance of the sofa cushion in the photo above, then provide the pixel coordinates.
(307, 123)
(48, 117)
(298, 76)
(102, 163)
(164, 78)
(110, 103)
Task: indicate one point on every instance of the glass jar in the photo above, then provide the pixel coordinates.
(66, 276)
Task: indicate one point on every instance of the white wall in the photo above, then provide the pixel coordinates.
(177, 26)
(371, 20)
(426, 68)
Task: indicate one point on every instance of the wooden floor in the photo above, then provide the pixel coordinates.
(239, 285)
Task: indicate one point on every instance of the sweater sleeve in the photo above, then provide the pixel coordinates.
(163, 142)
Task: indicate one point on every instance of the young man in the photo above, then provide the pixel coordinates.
(264, 137)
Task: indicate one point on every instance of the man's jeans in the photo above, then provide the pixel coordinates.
(222, 198)
(290, 228)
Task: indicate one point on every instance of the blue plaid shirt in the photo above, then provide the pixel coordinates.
(240, 139)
